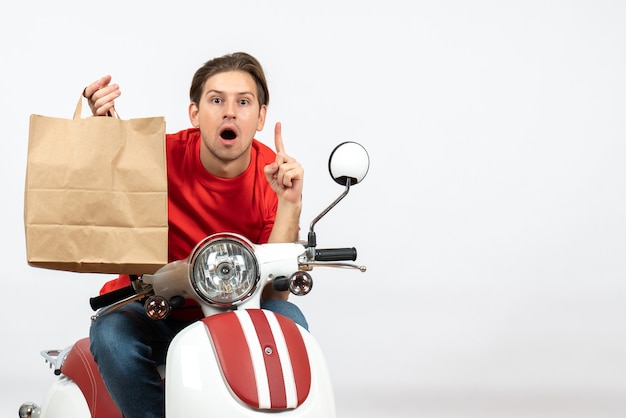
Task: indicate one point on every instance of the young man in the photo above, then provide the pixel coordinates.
(219, 179)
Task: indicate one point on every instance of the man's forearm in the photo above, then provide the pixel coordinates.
(287, 223)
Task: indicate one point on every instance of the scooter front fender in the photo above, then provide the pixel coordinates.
(197, 385)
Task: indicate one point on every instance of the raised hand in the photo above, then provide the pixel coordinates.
(101, 96)
(285, 175)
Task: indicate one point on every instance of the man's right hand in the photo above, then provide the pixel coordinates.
(101, 96)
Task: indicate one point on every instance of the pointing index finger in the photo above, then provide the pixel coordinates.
(278, 139)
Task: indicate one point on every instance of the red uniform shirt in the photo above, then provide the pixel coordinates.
(200, 204)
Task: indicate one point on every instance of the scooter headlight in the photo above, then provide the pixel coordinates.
(223, 269)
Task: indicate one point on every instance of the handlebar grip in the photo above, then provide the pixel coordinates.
(107, 299)
(336, 254)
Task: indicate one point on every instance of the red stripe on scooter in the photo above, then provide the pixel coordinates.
(235, 358)
(273, 366)
(234, 355)
(299, 357)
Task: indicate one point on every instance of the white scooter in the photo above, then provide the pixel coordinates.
(238, 361)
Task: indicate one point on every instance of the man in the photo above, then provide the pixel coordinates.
(219, 179)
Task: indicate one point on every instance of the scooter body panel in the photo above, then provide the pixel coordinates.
(196, 385)
(64, 399)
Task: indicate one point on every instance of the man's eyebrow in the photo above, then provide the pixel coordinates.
(243, 93)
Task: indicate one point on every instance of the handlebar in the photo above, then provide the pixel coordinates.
(328, 255)
(335, 254)
(110, 298)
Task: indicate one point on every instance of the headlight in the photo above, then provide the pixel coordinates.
(223, 269)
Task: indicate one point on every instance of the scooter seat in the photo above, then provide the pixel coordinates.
(80, 366)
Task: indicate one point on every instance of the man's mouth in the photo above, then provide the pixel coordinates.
(228, 134)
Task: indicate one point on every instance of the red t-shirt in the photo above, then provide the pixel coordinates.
(201, 204)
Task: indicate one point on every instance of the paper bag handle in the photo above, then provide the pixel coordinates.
(79, 109)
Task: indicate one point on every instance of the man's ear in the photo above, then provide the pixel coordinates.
(262, 114)
(193, 115)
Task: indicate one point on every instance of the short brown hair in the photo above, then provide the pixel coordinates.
(237, 61)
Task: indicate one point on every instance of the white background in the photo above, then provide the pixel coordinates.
(492, 221)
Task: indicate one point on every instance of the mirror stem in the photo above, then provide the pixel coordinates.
(312, 241)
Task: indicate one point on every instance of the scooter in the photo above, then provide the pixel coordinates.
(239, 360)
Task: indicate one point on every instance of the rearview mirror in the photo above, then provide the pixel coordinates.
(349, 160)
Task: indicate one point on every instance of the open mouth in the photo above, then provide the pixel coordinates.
(228, 134)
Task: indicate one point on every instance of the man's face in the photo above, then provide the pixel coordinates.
(228, 116)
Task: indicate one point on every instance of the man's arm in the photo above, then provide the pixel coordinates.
(286, 177)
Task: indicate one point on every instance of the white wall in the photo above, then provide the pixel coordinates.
(492, 220)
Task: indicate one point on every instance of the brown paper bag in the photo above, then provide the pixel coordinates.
(96, 194)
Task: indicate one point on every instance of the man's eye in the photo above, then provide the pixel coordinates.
(216, 100)
(244, 101)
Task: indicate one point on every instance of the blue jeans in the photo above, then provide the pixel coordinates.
(128, 346)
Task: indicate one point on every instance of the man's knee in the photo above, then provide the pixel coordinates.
(287, 309)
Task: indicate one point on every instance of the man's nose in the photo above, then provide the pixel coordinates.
(229, 110)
